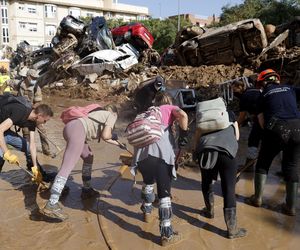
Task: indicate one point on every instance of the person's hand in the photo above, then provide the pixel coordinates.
(11, 158)
(38, 178)
(183, 138)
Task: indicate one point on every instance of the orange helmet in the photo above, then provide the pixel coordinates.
(264, 75)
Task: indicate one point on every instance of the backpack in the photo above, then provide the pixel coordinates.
(7, 98)
(212, 115)
(75, 112)
(146, 128)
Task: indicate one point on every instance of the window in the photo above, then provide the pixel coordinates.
(21, 6)
(4, 15)
(31, 9)
(89, 14)
(75, 12)
(50, 30)
(50, 10)
(3, 2)
(22, 25)
(5, 37)
(32, 27)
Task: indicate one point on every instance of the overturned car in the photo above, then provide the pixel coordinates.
(122, 58)
(233, 43)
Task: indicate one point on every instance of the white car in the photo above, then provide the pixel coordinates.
(121, 58)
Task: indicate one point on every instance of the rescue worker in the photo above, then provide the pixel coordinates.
(280, 119)
(21, 116)
(30, 89)
(4, 81)
(248, 98)
(156, 163)
(146, 92)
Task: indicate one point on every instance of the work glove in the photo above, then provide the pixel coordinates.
(183, 138)
(38, 178)
(11, 158)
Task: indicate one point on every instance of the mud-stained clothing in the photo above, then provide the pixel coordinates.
(278, 104)
(224, 164)
(156, 164)
(97, 120)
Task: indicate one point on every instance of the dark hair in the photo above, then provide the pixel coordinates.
(238, 86)
(111, 107)
(162, 98)
(43, 109)
(209, 93)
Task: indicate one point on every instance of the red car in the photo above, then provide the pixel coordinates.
(135, 33)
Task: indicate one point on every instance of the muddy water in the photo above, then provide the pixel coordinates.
(115, 220)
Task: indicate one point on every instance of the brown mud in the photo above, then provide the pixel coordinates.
(115, 221)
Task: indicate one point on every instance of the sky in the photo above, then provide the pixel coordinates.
(165, 8)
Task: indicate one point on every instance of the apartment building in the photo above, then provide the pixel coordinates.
(200, 21)
(36, 21)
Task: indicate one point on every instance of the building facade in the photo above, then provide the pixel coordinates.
(36, 21)
(198, 20)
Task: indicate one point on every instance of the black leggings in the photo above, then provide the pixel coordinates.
(285, 136)
(227, 167)
(155, 169)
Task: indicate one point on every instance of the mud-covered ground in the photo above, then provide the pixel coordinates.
(115, 221)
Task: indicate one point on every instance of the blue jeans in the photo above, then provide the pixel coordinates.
(18, 142)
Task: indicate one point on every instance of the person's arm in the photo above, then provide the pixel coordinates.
(4, 126)
(32, 148)
(242, 117)
(106, 133)
(237, 130)
(261, 120)
(196, 138)
(181, 118)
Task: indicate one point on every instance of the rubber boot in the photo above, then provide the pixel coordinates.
(289, 207)
(259, 183)
(231, 222)
(209, 203)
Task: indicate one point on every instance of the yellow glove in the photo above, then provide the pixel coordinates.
(11, 158)
(37, 175)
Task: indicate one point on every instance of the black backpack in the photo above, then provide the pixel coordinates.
(10, 98)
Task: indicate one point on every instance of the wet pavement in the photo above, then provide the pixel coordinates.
(115, 221)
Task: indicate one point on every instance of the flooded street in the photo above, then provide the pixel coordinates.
(114, 221)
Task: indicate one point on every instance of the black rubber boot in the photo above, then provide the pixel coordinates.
(289, 207)
(231, 223)
(209, 203)
(259, 183)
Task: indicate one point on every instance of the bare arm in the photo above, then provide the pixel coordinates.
(241, 118)
(107, 134)
(237, 130)
(4, 126)
(181, 118)
(196, 138)
(261, 120)
(32, 148)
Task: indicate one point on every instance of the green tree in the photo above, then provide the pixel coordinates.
(268, 11)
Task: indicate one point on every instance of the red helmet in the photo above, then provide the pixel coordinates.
(264, 75)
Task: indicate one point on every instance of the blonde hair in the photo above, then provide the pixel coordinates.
(111, 108)
(162, 98)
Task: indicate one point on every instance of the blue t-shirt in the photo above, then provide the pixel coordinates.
(279, 101)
